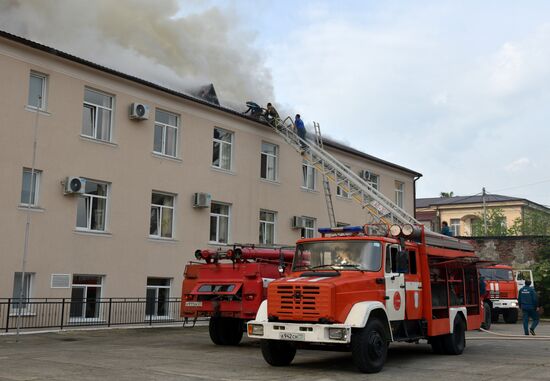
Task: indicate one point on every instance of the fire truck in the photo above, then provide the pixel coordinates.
(358, 288)
(501, 294)
(228, 286)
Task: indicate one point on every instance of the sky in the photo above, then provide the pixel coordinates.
(456, 90)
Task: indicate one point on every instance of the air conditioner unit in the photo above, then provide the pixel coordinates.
(139, 111)
(74, 185)
(201, 200)
(298, 222)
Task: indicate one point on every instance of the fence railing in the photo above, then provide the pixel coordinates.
(65, 313)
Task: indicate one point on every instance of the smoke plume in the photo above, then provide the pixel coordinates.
(146, 39)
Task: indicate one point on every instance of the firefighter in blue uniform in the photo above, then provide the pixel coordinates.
(528, 303)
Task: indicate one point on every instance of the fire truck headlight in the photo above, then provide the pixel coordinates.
(338, 334)
(513, 304)
(256, 329)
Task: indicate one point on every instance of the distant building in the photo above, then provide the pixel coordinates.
(463, 212)
(144, 152)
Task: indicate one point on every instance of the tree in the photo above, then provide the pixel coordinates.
(534, 222)
(496, 224)
(541, 273)
(447, 194)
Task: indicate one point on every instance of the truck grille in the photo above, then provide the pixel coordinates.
(299, 302)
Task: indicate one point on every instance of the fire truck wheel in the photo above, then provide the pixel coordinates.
(214, 330)
(511, 316)
(369, 346)
(278, 353)
(455, 342)
(487, 316)
(437, 345)
(494, 316)
(225, 331)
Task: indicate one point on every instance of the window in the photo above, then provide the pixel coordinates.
(162, 215)
(222, 149)
(97, 115)
(269, 158)
(166, 133)
(30, 187)
(92, 207)
(308, 176)
(267, 227)
(343, 187)
(219, 223)
(399, 190)
(455, 226)
(308, 231)
(158, 297)
(21, 301)
(371, 179)
(86, 297)
(37, 90)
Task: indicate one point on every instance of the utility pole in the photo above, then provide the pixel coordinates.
(484, 213)
(28, 223)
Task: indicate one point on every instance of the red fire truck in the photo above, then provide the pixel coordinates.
(501, 294)
(359, 288)
(229, 286)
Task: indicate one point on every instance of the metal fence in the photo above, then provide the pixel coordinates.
(42, 313)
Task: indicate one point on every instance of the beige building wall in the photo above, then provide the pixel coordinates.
(125, 255)
(468, 213)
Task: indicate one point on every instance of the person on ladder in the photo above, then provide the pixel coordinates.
(300, 130)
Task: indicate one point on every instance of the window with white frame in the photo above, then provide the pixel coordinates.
(37, 90)
(343, 187)
(158, 297)
(269, 161)
(308, 176)
(308, 231)
(372, 179)
(162, 215)
(267, 227)
(21, 284)
(219, 222)
(91, 213)
(399, 193)
(455, 226)
(86, 297)
(166, 133)
(97, 116)
(222, 149)
(30, 187)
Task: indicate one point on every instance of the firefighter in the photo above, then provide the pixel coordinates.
(528, 303)
(300, 130)
(445, 229)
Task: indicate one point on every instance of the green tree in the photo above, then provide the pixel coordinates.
(496, 224)
(541, 273)
(534, 222)
(447, 194)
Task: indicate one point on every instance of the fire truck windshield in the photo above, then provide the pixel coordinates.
(496, 274)
(340, 255)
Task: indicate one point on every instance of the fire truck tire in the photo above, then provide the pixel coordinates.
(278, 353)
(454, 343)
(487, 316)
(437, 345)
(494, 315)
(225, 331)
(369, 346)
(510, 316)
(214, 331)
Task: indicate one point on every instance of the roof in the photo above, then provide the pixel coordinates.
(475, 199)
(209, 99)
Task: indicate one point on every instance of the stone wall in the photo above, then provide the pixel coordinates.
(518, 251)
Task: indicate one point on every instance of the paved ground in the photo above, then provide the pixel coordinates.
(187, 354)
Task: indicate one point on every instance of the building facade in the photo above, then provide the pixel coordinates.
(134, 226)
(463, 212)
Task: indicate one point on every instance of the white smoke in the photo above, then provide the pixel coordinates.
(146, 39)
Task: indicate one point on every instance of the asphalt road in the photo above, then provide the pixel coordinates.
(188, 354)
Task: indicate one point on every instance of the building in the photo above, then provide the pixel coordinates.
(463, 212)
(134, 227)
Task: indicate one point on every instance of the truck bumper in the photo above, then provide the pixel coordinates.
(504, 303)
(300, 332)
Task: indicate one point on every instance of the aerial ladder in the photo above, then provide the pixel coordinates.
(326, 184)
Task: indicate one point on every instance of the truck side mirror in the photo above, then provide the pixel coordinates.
(402, 262)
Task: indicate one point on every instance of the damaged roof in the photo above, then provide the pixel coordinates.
(205, 95)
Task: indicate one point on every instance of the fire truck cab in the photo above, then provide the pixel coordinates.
(501, 293)
(358, 288)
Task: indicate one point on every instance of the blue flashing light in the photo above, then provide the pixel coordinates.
(342, 229)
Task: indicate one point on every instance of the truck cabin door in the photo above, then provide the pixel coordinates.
(395, 285)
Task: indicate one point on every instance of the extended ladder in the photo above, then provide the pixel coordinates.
(326, 184)
(379, 206)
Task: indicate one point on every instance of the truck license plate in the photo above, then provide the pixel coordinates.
(193, 304)
(292, 336)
